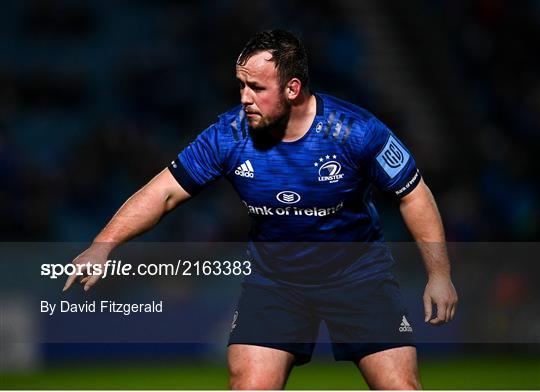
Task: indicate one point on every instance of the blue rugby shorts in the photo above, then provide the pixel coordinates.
(362, 318)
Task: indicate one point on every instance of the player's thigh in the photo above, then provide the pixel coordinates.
(395, 368)
(276, 318)
(257, 367)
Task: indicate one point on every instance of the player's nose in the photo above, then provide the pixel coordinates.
(246, 98)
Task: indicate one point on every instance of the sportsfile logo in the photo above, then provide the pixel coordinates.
(245, 170)
(405, 326)
(329, 169)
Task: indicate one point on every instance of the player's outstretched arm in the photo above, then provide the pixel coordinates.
(142, 211)
(423, 220)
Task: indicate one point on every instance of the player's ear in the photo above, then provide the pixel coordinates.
(293, 88)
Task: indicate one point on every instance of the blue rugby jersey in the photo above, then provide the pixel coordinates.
(309, 199)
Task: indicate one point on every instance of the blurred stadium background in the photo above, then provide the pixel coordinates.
(98, 96)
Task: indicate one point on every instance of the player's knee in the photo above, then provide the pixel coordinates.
(248, 377)
(236, 376)
(396, 382)
(408, 384)
(252, 381)
(413, 385)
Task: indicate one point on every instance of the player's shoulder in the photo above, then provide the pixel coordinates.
(345, 122)
(338, 105)
(232, 125)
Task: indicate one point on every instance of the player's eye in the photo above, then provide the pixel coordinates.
(256, 87)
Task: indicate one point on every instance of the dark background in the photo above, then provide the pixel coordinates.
(96, 97)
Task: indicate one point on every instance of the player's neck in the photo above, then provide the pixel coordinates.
(302, 115)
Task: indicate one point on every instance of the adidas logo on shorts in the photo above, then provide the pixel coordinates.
(245, 170)
(405, 326)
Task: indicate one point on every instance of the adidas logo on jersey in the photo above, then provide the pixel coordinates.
(405, 326)
(245, 170)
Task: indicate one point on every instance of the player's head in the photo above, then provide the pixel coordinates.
(272, 72)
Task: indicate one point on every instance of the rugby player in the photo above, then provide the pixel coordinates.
(303, 164)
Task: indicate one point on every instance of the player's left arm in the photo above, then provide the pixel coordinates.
(423, 220)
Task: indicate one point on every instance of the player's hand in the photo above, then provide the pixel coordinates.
(440, 292)
(95, 254)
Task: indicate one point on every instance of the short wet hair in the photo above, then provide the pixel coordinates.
(288, 54)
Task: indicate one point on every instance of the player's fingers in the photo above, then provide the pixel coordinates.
(85, 279)
(442, 311)
(69, 282)
(440, 314)
(93, 279)
(448, 312)
(453, 312)
(436, 321)
(81, 269)
(427, 308)
(442, 308)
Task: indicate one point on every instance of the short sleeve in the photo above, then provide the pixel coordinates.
(199, 163)
(389, 164)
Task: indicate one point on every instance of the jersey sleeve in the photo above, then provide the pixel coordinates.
(200, 163)
(389, 165)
